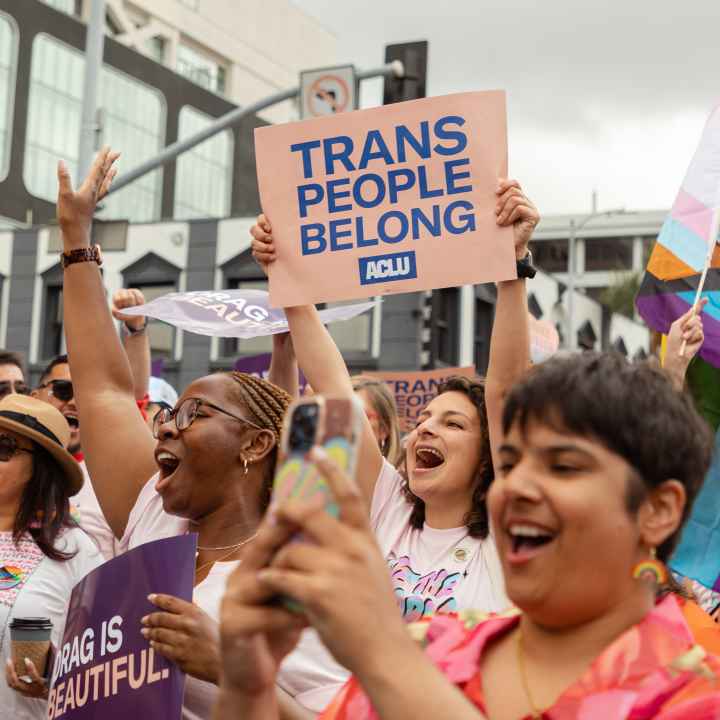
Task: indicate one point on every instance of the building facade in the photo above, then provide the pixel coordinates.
(170, 66)
(147, 99)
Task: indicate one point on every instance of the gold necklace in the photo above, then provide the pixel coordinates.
(537, 713)
(227, 554)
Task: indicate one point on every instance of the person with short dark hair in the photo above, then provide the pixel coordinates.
(598, 468)
(12, 374)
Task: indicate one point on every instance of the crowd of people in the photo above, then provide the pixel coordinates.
(506, 559)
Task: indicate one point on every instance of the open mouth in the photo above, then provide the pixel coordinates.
(427, 458)
(528, 538)
(167, 463)
(73, 421)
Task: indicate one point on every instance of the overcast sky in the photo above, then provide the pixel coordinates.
(604, 94)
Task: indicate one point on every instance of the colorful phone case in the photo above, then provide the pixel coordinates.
(338, 432)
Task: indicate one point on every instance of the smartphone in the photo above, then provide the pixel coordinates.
(335, 424)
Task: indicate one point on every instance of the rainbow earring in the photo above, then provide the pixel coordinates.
(651, 570)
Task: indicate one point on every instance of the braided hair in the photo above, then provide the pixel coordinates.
(267, 404)
(476, 519)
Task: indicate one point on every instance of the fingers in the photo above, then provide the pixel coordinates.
(172, 604)
(105, 187)
(169, 652)
(264, 223)
(33, 673)
(300, 586)
(249, 621)
(97, 171)
(164, 636)
(11, 676)
(504, 184)
(64, 181)
(165, 620)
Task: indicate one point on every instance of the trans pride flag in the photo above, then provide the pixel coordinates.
(675, 267)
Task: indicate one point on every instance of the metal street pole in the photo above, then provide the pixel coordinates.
(229, 120)
(572, 242)
(94, 45)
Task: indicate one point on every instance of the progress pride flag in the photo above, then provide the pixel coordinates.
(394, 199)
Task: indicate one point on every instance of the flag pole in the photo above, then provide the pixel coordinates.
(714, 228)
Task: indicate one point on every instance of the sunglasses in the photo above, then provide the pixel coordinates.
(9, 447)
(13, 386)
(60, 389)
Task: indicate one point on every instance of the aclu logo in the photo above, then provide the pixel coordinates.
(384, 268)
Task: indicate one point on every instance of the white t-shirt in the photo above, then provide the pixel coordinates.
(432, 571)
(46, 593)
(91, 517)
(147, 522)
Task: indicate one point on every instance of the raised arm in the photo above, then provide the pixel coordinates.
(283, 364)
(320, 360)
(510, 340)
(135, 338)
(688, 329)
(118, 446)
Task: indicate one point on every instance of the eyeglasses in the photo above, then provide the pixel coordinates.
(60, 389)
(186, 412)
(13, 386)
(9, 447)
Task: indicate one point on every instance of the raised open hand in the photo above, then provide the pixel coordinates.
(75, 208)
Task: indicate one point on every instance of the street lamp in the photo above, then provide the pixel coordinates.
(575, 228)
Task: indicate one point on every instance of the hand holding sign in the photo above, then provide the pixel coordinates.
(395, 199)
(183, 633)
(125, 299)
(514, 208)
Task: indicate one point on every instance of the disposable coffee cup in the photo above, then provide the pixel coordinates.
(30, 638)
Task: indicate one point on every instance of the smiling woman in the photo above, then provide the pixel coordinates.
(209, 472)
(430, 521)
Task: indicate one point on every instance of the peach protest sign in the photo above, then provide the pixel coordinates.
(414, 389)
(394, 199)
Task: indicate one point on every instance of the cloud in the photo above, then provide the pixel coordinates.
(601, 94)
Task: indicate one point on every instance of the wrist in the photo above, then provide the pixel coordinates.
(521, 251)
(380, 662)
(134, 327)
(74, 238)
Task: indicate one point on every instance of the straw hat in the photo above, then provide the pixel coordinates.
(44, 425)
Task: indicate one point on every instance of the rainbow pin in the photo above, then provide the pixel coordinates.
(10, 576)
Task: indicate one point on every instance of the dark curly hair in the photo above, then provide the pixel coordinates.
(44, 510)
(267, 404)
(476, 519)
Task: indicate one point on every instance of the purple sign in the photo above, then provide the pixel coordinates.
(260, 365)
(105, 667)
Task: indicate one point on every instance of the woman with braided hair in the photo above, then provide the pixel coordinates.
(210, 464)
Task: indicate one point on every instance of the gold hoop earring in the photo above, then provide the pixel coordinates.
(245, 466)
(651, 570)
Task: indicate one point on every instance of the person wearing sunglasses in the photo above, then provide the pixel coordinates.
(12, 374)
(56, 389)
(43, 552)
(209, 469)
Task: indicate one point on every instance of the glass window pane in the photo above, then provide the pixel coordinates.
(204, 174)
(133, 122)
(8, 48)
(614, 253)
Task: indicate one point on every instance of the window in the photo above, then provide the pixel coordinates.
(204, 174)
(8, 39)
(648, 243)
(201, 69)
(608, 253)
(133, 119)
(445, 324)
(71, 7)
(51, 338)
(155, 277)
(485, 296)
(551, 255)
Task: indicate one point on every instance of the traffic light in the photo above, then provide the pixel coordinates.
(413, 56)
